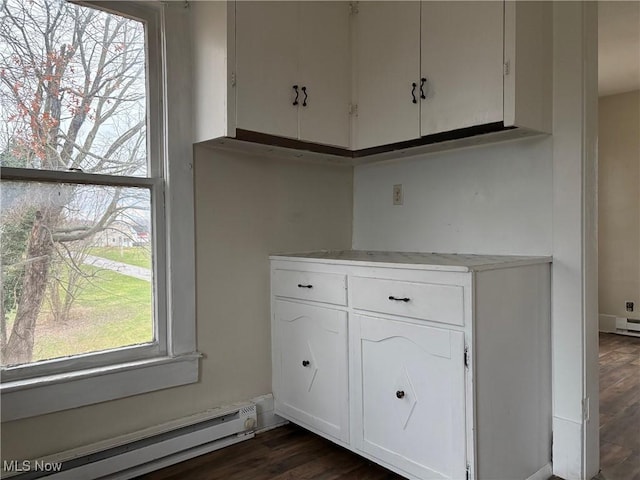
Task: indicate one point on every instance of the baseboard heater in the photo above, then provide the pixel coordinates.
(144, 451)
(628, 326)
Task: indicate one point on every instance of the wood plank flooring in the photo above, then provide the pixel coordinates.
(286, 453)
(619, 407)
(291, 453)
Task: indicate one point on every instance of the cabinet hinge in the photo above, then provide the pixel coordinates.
(468, 471)
(507, 67)
(466, 356)
(233, 79)
(353, 8)
(353, 109)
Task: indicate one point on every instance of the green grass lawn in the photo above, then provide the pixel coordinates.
(111, 311)
(139, 256)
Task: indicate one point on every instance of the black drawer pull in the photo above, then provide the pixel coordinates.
(422, 82)
(391, 297)
(413, 92)
(304, 102)
(306, 363)
(400, 394)
(304, 286)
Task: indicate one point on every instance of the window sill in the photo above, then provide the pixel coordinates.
(38, 396)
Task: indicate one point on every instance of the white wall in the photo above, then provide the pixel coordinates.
(619, 204)
(495, 199)
(246, 207)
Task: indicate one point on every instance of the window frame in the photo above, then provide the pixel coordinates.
(55, 385)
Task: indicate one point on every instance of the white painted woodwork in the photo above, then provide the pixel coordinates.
(267, 67)
(212, 31)
(461, 59)
(314, 286)
(494, 416)
(313, 393)
(324, 59)
(575, 350)
(512, 337)
(528, 53)
(386, 62)
(428, 301)
(282, 44)
(249, 55)
(423, 432)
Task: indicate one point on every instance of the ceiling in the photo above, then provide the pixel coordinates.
(618, 47)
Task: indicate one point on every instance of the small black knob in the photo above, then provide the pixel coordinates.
(306, 363)
(400, 394)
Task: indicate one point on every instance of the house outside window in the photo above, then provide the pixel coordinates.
(85, 205)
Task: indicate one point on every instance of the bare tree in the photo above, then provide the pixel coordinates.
(72, 90)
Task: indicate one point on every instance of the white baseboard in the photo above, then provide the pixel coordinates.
(267, 419)
(607, 323)
(543, 474)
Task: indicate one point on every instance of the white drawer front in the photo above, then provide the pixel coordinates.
(428, 301)
(318, 287)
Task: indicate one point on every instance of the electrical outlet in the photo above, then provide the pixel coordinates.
(629, 306)
(397, 195)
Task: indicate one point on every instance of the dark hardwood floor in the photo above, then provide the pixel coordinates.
(286, 453)
(292, 453)
(619, 407)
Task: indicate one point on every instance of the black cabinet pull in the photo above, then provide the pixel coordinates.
(422, 82)
(413, 92)
(295, 87)
(306, 363)
(304, 102)
(304, 286)
(400, 394)
(391, 297)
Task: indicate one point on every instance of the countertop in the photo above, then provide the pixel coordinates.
(456, 262)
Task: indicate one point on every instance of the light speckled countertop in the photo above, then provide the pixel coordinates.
(456, 262)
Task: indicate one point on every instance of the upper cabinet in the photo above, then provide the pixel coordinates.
(424, 68)
(461, 62)
(292, 70)
(387, 64)
(267, 67)
(316, 75)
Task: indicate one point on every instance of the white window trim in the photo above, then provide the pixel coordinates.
(180, 364)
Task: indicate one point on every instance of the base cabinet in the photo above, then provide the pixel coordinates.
(410, 408)
(434, 366)
(310, 374)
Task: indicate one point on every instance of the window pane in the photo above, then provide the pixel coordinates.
(77, 271)
(72, 89)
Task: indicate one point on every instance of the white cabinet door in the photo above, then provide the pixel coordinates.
(310, 368)
(462, 62)
(267, 67)
(409, 393)
(323, 50)
(387, 63)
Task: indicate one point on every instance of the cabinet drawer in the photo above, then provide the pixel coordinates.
(315, 286)
(428, 301)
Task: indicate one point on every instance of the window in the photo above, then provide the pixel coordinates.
(88, 164)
